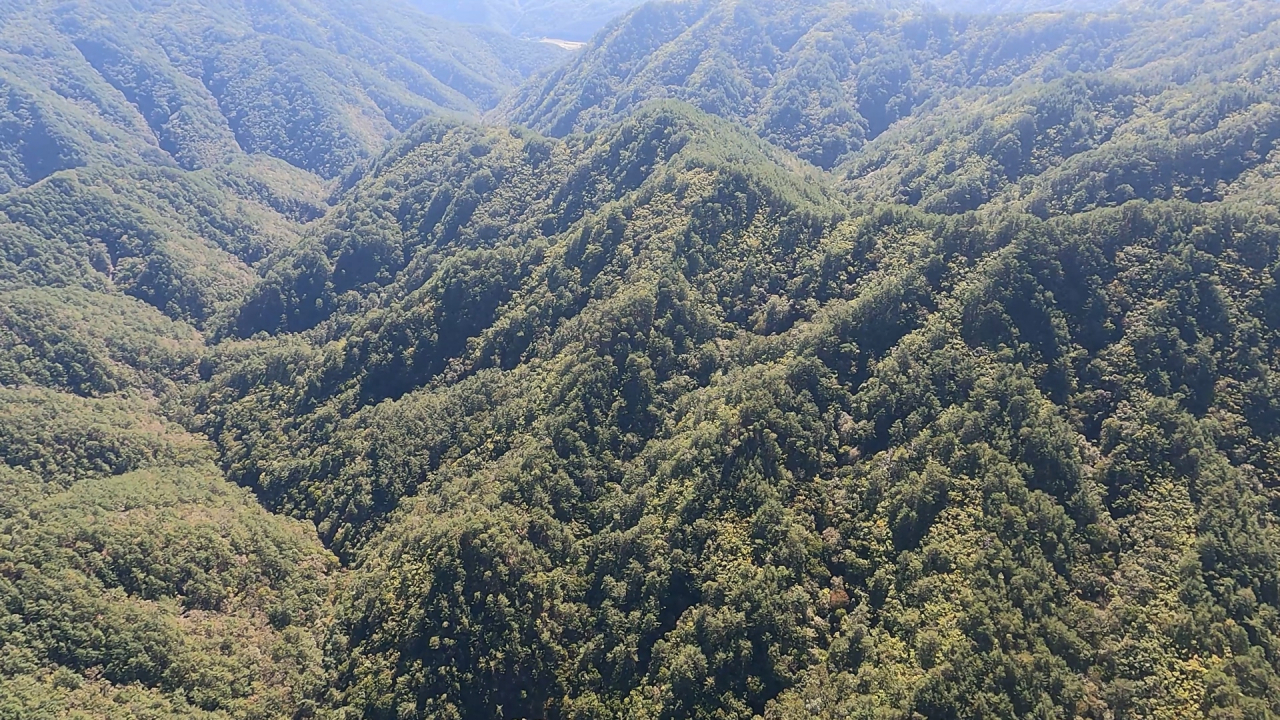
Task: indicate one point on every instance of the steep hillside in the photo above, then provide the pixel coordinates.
(1061, 111)
(184, 242)
(162, 149)
(819, 79)
(1187, 110)
(135, 581)
(151, 155)
(318, 84)
(806, 360)
(651, 423)
(401, 290)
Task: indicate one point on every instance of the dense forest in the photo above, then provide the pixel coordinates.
(767, 359)
(319, 84)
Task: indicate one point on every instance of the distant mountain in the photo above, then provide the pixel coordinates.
(819, 79)
(951, 112)
(575, 20)
(1021, 6)
(162, 148)
(318, 84)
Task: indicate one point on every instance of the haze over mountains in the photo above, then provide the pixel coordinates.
(764, 359)
(575, 20)
(579, 20)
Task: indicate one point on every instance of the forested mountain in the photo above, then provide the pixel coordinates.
(575, 20)
(684, 434)
(800, 359)
(986, 7)
(163, 148)
(817, 78)
(1062, 111)
(151, 154)
(135, 580)
(319, 84)
(579, 20)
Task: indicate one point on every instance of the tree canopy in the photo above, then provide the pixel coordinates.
(768, 359)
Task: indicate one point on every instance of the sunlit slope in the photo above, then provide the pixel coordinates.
(318, 84)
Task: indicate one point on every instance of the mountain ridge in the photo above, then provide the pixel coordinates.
(660, 409)
(187, 99)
